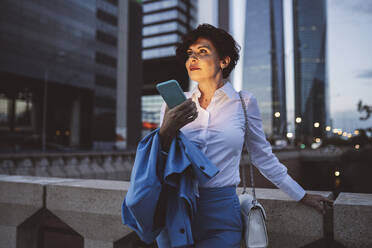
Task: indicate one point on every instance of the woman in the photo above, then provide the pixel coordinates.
(213, 119)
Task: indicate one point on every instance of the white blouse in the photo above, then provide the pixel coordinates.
(218, 131)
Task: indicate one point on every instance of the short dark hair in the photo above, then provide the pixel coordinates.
(222, 41)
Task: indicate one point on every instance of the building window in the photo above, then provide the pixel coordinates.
(106, 38)
(163, 16)
(5, 105)
(160, 40)
(17, 111)
(155, 6)
(23, 110)
(163, 28)
(107, 17)
(159, 52)
(104, 59)
(113, 2)
(105, 81)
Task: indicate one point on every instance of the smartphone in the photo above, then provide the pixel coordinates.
(171, 92)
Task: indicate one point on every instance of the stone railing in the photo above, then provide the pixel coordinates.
(92, 209)
(89, 165)
(96, 165)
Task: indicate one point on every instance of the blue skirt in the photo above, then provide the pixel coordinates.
(217, 222)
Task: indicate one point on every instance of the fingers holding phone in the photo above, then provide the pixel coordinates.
(179, 112)
(179, 116)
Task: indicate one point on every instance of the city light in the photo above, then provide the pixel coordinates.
(317, 140)
(357, 146)
(337, 173)
(277, 114)
(328, 128)
(356, 132)
(58, 132)
(316, 124)
(298, 120)
(349, 135)
(302, 146)
(344, 134)
(289, 135)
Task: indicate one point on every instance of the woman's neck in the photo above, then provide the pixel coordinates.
(207, 90)
(208, 87)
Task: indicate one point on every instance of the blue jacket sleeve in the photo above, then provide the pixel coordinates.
(140, 203)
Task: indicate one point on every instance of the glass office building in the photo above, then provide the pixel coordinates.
(164, 23)
(58, 73)
(263, 62)
(311, 86)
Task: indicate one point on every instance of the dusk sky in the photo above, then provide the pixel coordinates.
(349, 58)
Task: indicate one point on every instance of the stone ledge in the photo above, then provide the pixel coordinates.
(90, 207)
(93, 209)
(352, 220)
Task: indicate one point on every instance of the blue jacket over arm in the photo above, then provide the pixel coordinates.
(163, 189)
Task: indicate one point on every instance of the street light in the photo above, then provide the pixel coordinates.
(277, 114)
(298, 120)
(52, 59)
(316, 124)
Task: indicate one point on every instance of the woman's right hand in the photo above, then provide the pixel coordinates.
(176, 118)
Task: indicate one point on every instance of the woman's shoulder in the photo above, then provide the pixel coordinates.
(247, 95)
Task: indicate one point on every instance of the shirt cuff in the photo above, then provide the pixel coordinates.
(292, 188)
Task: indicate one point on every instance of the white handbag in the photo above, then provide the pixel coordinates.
(253, 213)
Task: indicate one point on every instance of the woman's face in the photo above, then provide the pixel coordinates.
(203, 62)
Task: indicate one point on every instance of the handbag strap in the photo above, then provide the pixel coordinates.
(249, 157)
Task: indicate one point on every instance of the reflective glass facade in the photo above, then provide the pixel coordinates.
(311, 101)
(263, 62)
(66, 53)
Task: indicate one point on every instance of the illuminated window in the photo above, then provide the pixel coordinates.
(163, 16)
(160, 40)
(163, 5)
(158, 52)
(5, 105)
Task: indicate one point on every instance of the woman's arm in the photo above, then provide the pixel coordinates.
(269, 165)
(261, 153)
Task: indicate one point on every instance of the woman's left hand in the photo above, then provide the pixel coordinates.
(316, 201)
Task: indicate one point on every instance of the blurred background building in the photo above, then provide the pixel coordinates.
(58, 72)
(310, 70)
(263, 63)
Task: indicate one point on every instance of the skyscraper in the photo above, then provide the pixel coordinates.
(263, 62)
(311, 101)
(58, 72)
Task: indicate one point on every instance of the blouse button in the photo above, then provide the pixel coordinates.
(182, 230)
(202, 167)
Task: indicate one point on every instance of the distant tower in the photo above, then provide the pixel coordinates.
(311, 101)
(263, 62)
